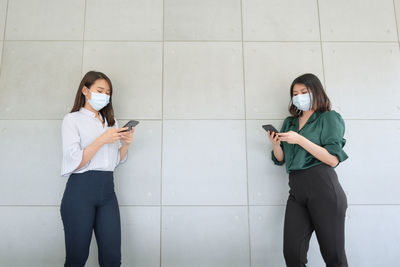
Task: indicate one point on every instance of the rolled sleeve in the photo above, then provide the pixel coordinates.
(119, 161)
(276, 162)
(72, 150)
(283, 129)
(332, 135)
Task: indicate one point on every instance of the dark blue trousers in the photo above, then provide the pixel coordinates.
(89, 203)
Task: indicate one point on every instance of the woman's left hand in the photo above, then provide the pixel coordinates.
(127, 137)
(290, 137)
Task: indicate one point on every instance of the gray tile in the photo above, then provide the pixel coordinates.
(45, 20)
(1, 50)
(369, 175)
(31, 150)
(372, 234)
(397, 7)
(138, 180)
(31, 236)
(266, 234)
(39, 79)
(205, 236)
(362, 79)
(140, 236)
(204, 163)
(202, 20)
(271, 20)
(359, 20)
(3, 12)
(268, 183)
(203, 81)
(135, 70)
(270, 69)
(124, 20)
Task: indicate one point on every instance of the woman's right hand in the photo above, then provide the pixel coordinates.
(274, 138)
(112, 135)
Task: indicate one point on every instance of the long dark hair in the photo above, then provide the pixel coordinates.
(314, 86)
(88, 80)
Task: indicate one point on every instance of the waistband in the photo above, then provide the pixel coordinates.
(312, 170)
(93, 173)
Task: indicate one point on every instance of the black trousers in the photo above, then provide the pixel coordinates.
(317, 203)
(89, 203)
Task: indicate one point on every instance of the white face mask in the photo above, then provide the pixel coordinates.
(303, 101)
(99, 101)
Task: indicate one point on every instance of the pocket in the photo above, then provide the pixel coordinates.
(341, 194)
(66, 190)
(341, 197)
(69, 186)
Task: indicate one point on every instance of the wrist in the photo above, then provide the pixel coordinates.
(300, 140)
(124, 144)
(100, 140)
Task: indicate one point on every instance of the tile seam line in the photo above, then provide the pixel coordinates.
(83, 35)
(162, 132)
(396, 21)
(4, 38)
(321, 45)
(205, 206)
(245, 132)
(160, 120)
(198, 41)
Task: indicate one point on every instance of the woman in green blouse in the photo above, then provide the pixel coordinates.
(310, 143)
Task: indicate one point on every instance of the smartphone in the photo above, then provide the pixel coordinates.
(270, 128)
(130, 124)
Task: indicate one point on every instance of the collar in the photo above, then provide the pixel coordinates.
(313, 117)
(87, 112)
(92, 115)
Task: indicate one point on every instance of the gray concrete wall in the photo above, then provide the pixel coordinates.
(202, 76)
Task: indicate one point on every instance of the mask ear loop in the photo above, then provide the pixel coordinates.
(87, 89)
(297, 110)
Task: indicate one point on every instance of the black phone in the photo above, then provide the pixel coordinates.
(270, 128)
(130, 124)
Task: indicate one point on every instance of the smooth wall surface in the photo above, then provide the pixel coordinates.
(202, 76)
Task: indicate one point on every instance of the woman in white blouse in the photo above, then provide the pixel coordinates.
(92, 149)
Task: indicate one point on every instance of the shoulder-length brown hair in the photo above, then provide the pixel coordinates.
(88, 80)
(315, 87)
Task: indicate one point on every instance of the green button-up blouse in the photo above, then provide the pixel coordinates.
(325, 129)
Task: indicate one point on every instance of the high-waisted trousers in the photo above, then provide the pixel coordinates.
(89, 204)
(317, 203)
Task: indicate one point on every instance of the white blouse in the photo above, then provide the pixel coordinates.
(79, 129)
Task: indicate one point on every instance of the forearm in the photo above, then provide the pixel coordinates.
(90, 151)
(123, 150)
(278, 152)
(318, 152)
